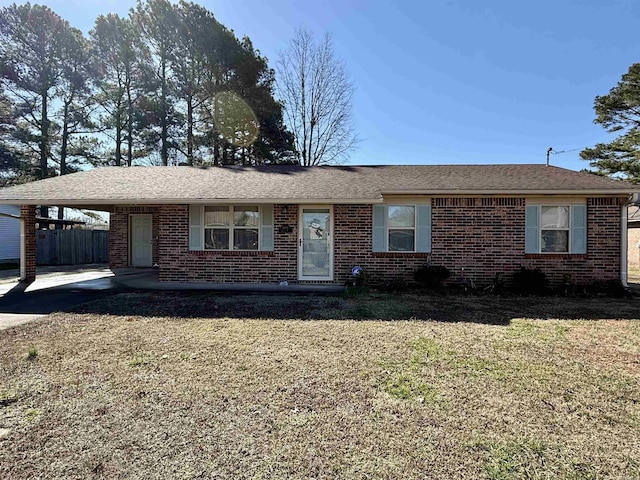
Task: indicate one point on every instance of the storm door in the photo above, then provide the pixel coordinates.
(315, 243)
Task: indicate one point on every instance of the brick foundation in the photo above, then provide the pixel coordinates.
(475, 238)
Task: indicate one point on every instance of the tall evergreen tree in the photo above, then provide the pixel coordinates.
(197, 31)
(32, 43)
(75, 94)
(157, 24)
(168, 80)
(121, 66)
(255, 82)
(619, 112)
(13, 168)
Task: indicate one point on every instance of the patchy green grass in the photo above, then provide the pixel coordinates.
(204, 386)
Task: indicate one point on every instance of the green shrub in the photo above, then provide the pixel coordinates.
(32, 354)
(431, 275)
(609, 288)
(394, 285)
(530, 281)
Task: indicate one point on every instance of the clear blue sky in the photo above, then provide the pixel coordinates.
(446, 81)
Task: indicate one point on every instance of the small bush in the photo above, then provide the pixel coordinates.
(530, 281)
(354, 292)
(498, 284)
(568, 285)
(431, 275)
(394, 285)
(32, 354)
(609, 288)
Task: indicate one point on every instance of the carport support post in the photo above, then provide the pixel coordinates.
(27, 243)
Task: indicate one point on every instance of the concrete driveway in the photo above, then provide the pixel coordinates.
(59, 289)
(55, 290)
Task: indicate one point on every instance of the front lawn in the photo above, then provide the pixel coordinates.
(324, 387)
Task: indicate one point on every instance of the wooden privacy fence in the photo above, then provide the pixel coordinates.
(68, 247)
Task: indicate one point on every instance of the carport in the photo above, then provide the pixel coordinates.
(28, 220)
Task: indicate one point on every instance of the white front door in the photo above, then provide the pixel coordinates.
(141, 241)
(315, 240)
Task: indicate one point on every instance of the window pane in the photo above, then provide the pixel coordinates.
(216, 238)
(401, 240)
(216, 216)
(555, 241)
(245, 239)
(402, 216)
(555, 217)
(246, 216)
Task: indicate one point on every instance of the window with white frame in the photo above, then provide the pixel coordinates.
(231, 227)
(401, 226)
(555, 228)
(560, 228)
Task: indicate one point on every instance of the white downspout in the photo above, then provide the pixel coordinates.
(623, 247)
(23, 249)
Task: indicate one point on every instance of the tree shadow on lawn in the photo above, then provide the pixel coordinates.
(494, 310)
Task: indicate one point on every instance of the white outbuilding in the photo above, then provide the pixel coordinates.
(9, 233)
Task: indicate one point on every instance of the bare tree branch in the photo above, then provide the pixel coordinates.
(318, 99)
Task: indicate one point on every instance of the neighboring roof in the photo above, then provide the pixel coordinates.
(295, 184)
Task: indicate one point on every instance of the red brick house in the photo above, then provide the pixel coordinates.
(313, 224)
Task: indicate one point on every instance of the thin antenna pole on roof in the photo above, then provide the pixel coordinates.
(548, 153)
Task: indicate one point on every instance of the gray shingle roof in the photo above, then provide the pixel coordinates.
(348, 184)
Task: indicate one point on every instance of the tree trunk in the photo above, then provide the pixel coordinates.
(164, 150)
(129, 127)
(119, 136)
(216, 150)
(189, 130)
(63, 154)
(44, 145)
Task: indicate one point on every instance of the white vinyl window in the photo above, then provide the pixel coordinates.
(401, 226)
(555, 228)
(229, 227)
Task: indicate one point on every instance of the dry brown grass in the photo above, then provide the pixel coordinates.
(247, 389)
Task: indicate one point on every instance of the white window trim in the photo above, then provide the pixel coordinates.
(415, 222)
(231, 228)
(569, 229)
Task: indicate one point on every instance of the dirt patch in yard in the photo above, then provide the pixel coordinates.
(203, 386)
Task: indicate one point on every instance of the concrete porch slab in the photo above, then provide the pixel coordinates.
(147, 279)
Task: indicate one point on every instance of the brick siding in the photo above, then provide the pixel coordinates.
(602, 260)
(119, 234)
(28, 214)
(179, 264)
(475, 238)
